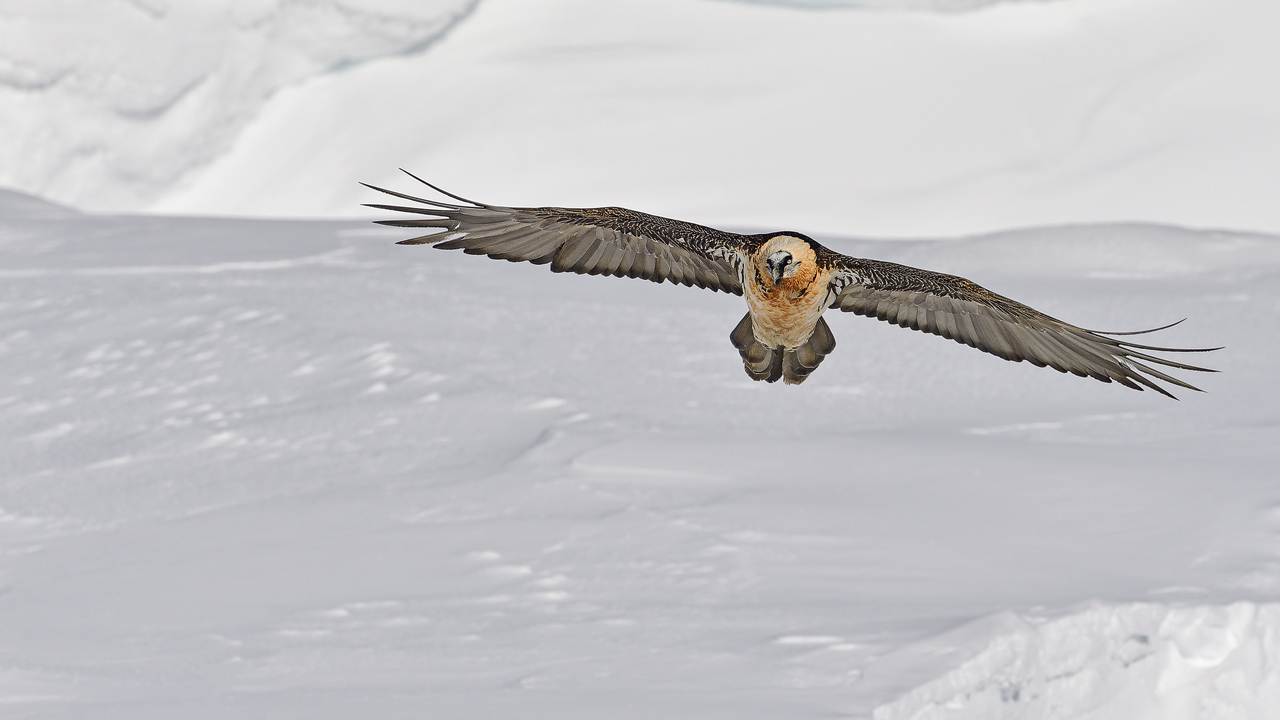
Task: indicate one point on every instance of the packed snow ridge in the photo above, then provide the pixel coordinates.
(1142, 661)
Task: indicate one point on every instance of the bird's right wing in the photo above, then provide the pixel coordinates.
(592, 241)
(962, 310)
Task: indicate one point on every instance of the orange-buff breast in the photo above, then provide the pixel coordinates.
(785, 315)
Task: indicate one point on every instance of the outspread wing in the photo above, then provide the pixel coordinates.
(968, 313)
(592, 241)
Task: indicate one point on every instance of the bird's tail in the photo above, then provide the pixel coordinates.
(792, 365)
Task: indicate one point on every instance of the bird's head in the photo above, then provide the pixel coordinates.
(784, 256)
(780, 264)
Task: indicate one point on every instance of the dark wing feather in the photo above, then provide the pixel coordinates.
(592, 241)
(968, 313)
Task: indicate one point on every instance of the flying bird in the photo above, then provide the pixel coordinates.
(788, 280)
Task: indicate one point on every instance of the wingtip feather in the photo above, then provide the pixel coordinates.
(459, 198)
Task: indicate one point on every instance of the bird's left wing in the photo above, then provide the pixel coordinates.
(968, 313)
(592, 241)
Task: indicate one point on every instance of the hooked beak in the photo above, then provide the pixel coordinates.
(777, 264)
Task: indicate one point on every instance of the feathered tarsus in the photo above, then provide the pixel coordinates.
(788, 280)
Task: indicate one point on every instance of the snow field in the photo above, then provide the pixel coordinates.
(255, 468)
(845, 121)
(109, 104)
(265, 469)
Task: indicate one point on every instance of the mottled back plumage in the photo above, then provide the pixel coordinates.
(591, 241)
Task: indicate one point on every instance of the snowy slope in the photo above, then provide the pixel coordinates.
(263, 469)
(847, 120)
(109, 103)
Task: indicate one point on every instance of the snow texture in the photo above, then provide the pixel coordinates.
(845, 121)
(113, 119)
(259, 469)
(1114, 662)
